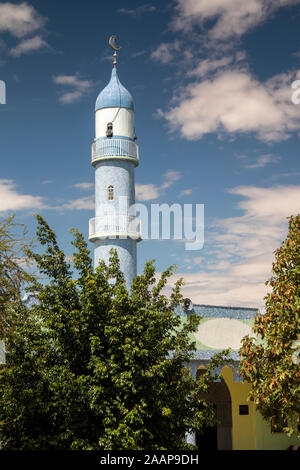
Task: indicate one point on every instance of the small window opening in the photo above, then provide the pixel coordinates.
(109, 129)
(110, 193)
(243, 409)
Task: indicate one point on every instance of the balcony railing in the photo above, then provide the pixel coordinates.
(122, 226)
(115, 148)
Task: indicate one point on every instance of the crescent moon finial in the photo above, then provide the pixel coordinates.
(115, 48)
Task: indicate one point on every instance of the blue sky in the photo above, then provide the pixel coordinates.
(215, 121)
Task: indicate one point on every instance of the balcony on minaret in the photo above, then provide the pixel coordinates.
(121, 226)
(115, 148)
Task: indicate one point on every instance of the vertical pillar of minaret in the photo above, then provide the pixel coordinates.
(114, 157)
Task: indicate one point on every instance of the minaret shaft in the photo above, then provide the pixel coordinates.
(114, 157)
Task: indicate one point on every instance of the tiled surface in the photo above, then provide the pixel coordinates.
(114, 95)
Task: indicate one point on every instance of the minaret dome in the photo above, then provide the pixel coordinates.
(114, 95)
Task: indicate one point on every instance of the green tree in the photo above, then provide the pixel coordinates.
(92, 366)
(13, 276)
(267, 359)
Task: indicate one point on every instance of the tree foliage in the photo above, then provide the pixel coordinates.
(92, 366)
(12, 274)
(267, 360)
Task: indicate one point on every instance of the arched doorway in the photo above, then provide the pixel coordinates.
(218, 437)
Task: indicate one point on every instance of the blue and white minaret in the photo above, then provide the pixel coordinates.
(114, 157)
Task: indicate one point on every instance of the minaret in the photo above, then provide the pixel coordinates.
(114, 157)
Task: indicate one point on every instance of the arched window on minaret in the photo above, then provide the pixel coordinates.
(110, 193)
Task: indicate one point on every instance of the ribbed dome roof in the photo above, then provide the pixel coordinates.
(114, 95)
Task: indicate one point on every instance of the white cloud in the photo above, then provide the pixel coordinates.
(185, 192)
(225, 289)
(225, 97)
(138, 53)
(20, 20)
(209, 65)
(71, 97)
(83, 203)
(227, 19)
(262, 161)
(12, 200)
(274, 203)
(170, 177)
(242, 284)
(243, 247)
(86, 186)
(235, 102)
(148, 192)
(164, 53)
(26, 46)
(141, 10)
(80, 87)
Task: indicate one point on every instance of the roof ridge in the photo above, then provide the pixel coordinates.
(226, 306)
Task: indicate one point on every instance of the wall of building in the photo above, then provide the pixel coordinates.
(251, 432)
(268, 440)
(126, 250)
(120, 175)
(242, 425)
(123, 122)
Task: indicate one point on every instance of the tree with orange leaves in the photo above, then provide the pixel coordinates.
(269, 361)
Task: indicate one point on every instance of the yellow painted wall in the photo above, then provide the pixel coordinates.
(267, 440)
(242, 426)
(251, 432)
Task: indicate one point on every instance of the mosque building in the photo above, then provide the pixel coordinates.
(114, 157)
